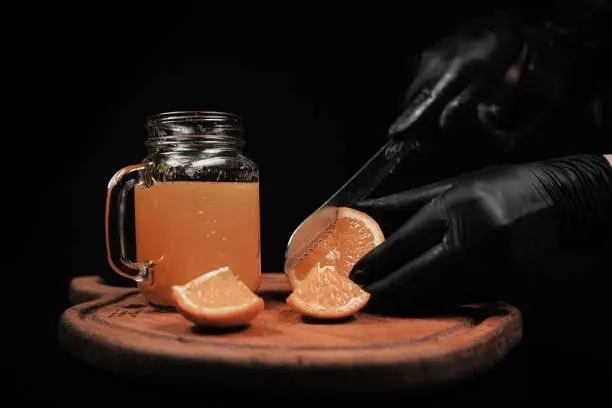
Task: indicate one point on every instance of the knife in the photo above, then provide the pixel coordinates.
(363, 182)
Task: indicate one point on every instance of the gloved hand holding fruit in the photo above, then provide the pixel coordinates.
(492, 218)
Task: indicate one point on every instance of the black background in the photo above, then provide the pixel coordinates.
(316, 85)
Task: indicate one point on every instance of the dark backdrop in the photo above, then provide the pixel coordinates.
(316, 86)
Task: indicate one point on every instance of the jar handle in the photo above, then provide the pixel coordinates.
(137, 271)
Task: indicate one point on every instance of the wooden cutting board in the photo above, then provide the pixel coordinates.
(118, 331)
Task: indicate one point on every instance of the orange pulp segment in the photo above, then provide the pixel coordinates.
(353, 235)
(326, 294)
(217, 298)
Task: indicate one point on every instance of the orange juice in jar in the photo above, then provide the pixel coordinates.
(196, 202)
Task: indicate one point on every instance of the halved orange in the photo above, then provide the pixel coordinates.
(353, 235)
(326, 294)
(217, 298)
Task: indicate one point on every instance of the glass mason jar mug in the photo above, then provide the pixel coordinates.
(196, 205)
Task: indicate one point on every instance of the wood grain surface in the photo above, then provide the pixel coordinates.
(280, 350)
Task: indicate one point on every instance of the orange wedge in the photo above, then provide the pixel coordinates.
(217, 298)
(326, 294)
(353, 235)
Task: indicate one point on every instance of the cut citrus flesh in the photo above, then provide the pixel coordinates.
(217, 298)
(326, 294)
(353, 235)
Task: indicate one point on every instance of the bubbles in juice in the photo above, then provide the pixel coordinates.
(188, 228)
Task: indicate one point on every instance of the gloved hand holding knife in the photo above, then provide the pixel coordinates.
(454, 74)
(450, 74)
(457, 236)
(500, 215)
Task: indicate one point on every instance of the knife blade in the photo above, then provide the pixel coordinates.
(363, 182)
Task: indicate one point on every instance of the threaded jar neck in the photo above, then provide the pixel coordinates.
(194, 130)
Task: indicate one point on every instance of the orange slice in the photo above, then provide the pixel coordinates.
(353, 235)
(217, 298)
(326, 294)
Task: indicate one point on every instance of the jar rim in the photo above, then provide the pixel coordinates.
(194, 129)
(190, 124)
(187, 115)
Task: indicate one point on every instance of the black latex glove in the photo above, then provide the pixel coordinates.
(453, 74)
(496, 217)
